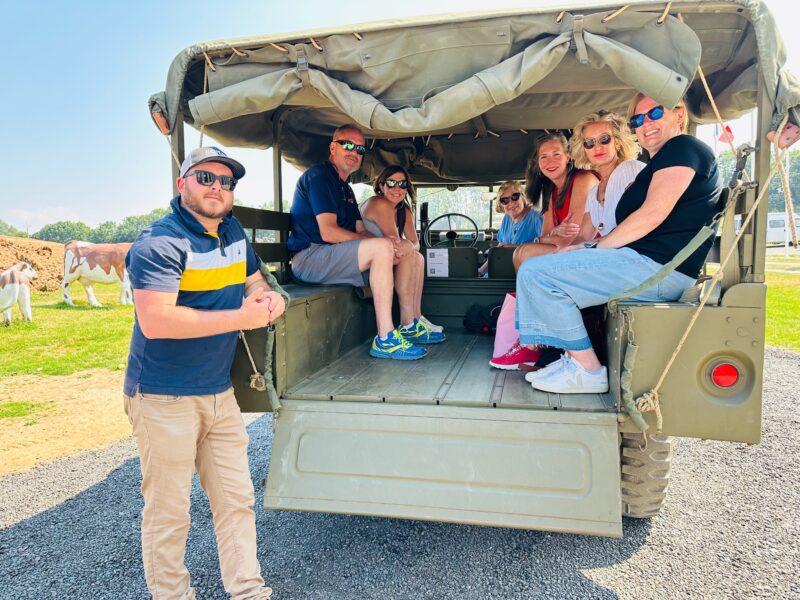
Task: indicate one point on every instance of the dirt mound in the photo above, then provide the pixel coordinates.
(46, 257)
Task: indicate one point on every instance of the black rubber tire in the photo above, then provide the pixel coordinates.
(645, 474)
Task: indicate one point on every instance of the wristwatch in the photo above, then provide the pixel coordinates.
(590, 244)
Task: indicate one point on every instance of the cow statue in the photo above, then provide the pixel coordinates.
(95, 263)
(15, 288)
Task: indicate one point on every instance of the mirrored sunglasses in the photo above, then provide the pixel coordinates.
(350, 146)
(207, 178)
(654, 114)
(512, 198)
(590, 143)
(393, 183)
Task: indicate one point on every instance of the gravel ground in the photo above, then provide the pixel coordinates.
(70, 529)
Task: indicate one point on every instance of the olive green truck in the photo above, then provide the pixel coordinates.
(459, 100)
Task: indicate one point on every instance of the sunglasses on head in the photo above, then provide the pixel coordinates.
(590, 143)
(512, 198)
(360, 149)
(393, 183)
(207, 178)
(654, 114)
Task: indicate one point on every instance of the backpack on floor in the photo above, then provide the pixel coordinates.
(482, 318)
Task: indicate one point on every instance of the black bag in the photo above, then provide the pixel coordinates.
(482, 318)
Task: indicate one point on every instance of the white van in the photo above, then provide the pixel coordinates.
(778, 231)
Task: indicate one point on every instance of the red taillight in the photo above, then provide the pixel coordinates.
(725, 375)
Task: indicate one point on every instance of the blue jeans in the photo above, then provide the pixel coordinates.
(551, 290)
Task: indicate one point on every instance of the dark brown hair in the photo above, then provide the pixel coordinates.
(538, 187)
(400, 210)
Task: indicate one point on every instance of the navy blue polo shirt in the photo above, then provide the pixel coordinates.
(320, 190)
(208, 272)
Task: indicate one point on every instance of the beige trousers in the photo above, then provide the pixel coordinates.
(176, 435)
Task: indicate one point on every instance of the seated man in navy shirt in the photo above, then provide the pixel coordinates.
(329, 243)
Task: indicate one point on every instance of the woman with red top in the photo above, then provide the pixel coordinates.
(552, 179)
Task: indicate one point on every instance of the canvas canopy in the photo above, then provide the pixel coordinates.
(460, 98)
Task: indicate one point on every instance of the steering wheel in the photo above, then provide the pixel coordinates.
(451, 234)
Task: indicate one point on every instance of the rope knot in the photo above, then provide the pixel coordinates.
(650, 402)
(258, 382)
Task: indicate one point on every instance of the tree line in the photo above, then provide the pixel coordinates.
(105, 233)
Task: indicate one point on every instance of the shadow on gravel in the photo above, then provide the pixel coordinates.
(88, 547)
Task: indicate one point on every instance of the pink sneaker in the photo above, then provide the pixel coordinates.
(516, 355)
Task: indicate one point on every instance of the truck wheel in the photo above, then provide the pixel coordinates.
(645, 474)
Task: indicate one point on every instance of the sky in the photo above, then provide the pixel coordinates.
(77, 76)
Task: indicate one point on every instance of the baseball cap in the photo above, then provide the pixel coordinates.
(211, 154)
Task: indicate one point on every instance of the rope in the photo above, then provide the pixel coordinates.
(238, 52)
(168, 137)
(257, 381)
(358, 36)
(205, 89)
(315, 44)
(208, 61)
(650, 400)
(664, 14)
(560, 16)
(787, 199)
(614, 14)
(279, 48)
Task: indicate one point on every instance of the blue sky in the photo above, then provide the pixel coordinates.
(77, 76)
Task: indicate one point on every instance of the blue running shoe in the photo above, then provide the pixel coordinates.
(394, 346)
(421, 333)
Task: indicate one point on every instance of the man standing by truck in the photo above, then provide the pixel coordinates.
(329, 243)
(196, 282)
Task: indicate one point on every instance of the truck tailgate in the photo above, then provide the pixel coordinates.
(543, 469)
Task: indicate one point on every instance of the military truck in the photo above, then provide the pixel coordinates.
(459, 100)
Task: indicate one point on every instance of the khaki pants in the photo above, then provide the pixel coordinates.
(175, 435)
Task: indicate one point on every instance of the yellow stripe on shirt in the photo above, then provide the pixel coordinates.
(204, 280)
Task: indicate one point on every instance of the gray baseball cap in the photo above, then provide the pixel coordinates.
(211, 154)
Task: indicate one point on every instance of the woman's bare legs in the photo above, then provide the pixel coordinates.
(406, 281)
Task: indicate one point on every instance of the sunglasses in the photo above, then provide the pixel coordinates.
(512, 198)
(654, 114)
(207, 178)
(393, 183)
(350, 146)
(590, 143)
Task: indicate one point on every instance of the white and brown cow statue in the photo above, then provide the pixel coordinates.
(15, 288)
(95, 263)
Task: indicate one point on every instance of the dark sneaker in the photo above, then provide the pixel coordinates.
(420, 333)
(395, 347)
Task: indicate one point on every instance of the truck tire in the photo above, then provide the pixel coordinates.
(645, 474)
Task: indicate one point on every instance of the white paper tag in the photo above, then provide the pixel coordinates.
(438, 263)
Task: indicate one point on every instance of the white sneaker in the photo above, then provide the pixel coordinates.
(436, 328)
(554, 366)
(573, 379)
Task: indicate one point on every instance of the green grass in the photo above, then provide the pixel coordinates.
(783, 310)
(13, 410)
(62, 339)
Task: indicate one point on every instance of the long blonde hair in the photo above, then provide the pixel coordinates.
(624, 140)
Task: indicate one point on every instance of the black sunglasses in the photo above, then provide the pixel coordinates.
(393, 183)
(360, 149)
(512, 198)
(207, 178)
(654, 114)
(590, 143)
